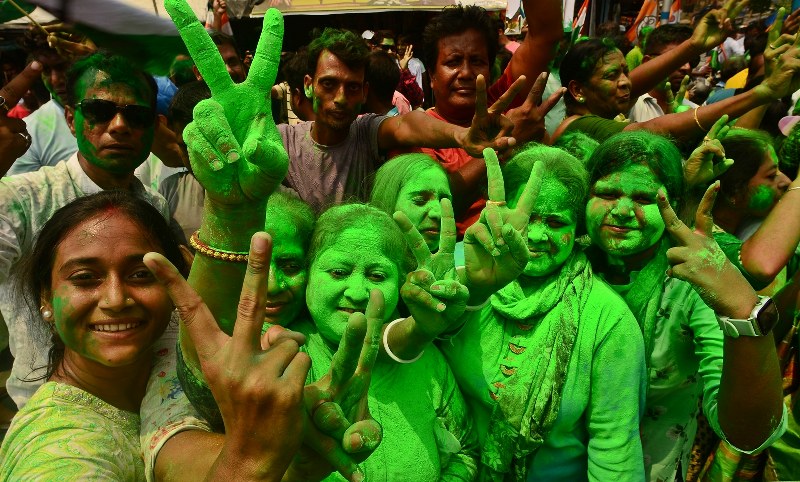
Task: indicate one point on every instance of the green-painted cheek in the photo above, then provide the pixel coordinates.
(316, 103)
(762, 199)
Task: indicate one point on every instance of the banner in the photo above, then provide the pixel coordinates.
(675, 12)
(315, 7)
(648, 16)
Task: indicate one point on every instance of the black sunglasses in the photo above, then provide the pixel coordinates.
(101, 111)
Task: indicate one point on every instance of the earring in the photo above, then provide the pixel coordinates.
(129, 301)
(46, 314)
(581, 100)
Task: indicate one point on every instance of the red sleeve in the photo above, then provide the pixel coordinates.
(408, 87)
(500, 86)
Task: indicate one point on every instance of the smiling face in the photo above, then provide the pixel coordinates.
(419, 199)
(108, 309)
(342, 276)
(337, 92)
(286, 290)
(114, 146)
(766, 187)
(607, 93)
(551, 229)
(461, 58)
(622, 216)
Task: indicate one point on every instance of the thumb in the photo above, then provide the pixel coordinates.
(14, 90)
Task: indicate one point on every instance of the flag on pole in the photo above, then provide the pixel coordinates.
(152, 42)
(580, 19)
(648, 15)
(675, 12)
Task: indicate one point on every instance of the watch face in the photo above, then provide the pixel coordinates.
(767, 317)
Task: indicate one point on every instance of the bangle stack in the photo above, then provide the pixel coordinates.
(211, 252)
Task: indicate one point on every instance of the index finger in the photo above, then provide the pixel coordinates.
(266, 59)
(734, 8)
(480, 97)
(536, 92)
(345, 360)
(201, 48)
(253, 299)
(676, 228)
(447, 238)
(13, 91)
(776, 28)
(195, 316)
(704, 218)
(372, 340)
(717, 127)
(494, 175)
(501, 104)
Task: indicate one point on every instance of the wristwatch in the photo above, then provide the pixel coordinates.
(762, 319)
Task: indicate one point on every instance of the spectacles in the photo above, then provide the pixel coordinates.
(101, 111)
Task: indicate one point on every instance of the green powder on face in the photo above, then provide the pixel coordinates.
(762, 198)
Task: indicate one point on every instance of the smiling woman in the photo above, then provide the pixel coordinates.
(105, 312)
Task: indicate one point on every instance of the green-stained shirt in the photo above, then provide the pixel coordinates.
(596, 127)
(65, 433)
(427, 433)
(596, 433)
(686, 363)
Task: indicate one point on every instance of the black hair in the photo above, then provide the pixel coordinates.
(747, 148)
(295, 68)
(185, 99)
(455, 20)
(220, 38)
(118, 68)
(665, 35)
(36, 267)
(383, 75)
(581, 60)
(344, 44)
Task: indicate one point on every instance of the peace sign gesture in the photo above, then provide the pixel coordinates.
(433, 292)
(338, 401)
(717, 25)
(698, 259)
(234, 147)
(250, 385)
(708, 161)
(495, 248)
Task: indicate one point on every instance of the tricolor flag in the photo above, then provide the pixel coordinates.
(675, 11)
(580, 19)
(145, 38)
(648, 15)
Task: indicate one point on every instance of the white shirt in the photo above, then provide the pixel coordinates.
(27, 202)
(646, 108)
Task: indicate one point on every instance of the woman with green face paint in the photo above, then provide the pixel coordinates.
(105, 313)
(752, 192)
(426, 429)
(413, 184)
(533, 359)
(684, 347)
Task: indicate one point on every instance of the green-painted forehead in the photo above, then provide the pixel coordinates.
(102, 80)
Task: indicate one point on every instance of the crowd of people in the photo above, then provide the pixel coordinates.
(506, 260)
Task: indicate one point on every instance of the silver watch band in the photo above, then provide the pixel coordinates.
(735, 328)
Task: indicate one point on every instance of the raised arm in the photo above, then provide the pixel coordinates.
(749, 401)
(711, 31)
(14, 137)
(539, 47)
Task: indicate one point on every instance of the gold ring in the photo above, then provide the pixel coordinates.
(772, 46)
(495, 203)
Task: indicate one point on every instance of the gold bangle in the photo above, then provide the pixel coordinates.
(697, 121)
(211, 252)
(791, 189)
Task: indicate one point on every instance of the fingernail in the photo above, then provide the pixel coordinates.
(358, 475)
(436, 288)
(356, 442)
(233, 156)
(259, 244)
(216, 164)
(35, 65)
(495, 252)
(441, 307)
(500, 242)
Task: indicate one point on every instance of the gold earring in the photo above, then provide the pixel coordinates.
(46, 314)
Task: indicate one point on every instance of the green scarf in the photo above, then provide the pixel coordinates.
(528, 405)
(644, 296)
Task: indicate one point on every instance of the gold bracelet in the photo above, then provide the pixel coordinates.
(211, 252)
(697, 121)
(791, 189)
